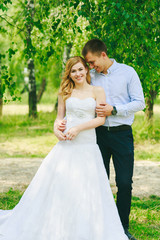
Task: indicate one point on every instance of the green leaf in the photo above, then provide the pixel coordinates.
(75, 18)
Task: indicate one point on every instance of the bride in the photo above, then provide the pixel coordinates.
(69, 198)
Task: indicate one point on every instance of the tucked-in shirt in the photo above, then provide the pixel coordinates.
(123, 90)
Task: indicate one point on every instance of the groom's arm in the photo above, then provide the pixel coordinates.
(135, 102)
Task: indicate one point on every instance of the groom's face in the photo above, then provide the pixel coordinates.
(96, 61)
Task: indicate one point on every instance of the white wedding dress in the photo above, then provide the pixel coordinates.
(69, 198)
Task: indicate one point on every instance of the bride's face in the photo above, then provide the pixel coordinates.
(78, 73)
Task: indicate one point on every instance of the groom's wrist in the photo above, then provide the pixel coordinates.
(114, 111)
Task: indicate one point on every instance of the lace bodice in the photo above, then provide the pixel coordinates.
(79, 111)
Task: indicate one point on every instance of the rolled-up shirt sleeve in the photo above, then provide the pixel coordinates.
(135, 92)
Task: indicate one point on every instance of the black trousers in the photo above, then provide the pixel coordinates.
(119, 145)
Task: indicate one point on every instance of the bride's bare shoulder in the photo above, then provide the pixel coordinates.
(98, 90)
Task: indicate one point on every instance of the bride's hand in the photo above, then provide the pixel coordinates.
(72, 133)
(60, 124)
(61, 136)
(59, 127)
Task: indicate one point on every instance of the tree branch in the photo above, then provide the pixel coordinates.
(10, 23)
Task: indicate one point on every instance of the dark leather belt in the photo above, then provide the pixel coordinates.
(118, 128)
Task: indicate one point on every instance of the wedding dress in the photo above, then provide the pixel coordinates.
(69, 198)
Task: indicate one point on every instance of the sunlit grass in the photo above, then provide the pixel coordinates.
(21, 136)
(144, 130)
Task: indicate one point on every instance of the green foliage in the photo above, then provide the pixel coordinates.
(6, 77)
(130, 31)
(3, 5)
(129, 28)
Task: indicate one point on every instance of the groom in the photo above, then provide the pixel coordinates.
(124, 97)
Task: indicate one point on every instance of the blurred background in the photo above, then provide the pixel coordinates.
(36, 39)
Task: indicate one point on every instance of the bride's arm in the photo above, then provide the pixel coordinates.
(60, 116)
(97, 121)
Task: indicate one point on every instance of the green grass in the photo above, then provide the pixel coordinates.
(147, 138)
(21, 136)
(144, 130)
(146, 155)
(9, 199)
(144, 218)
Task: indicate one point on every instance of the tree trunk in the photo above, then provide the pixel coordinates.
(66, 55)
(1, 95)
(32, 79)
(150, 104)
(1, 106)
(32, 90)
(41, 90)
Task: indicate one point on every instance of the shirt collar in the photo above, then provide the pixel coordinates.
(113, 66)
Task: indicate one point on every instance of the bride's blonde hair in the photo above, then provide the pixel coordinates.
(67, 84)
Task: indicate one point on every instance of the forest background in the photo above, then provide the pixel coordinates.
(36, 39)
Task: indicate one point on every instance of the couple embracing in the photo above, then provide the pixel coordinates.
(70, 197)
(120, 95)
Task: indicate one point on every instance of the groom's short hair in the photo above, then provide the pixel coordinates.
(95, 46)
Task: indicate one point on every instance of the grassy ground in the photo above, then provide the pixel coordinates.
(24, 137)
(21, 136)
(147, 138)
(144, 218)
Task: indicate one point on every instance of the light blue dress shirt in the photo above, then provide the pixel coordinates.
(123, 90)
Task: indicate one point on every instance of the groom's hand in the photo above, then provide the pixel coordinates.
(104, 110)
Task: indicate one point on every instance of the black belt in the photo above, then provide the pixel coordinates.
(118, 128)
